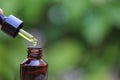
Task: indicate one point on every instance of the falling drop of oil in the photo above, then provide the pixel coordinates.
(35, 42)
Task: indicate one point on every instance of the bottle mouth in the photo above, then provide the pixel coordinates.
(34, 51)
(34, 48)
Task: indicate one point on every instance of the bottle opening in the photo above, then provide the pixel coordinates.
(34, 52)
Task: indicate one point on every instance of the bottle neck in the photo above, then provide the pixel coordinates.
(34, 53)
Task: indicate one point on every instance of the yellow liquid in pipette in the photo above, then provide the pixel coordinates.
(28, 37)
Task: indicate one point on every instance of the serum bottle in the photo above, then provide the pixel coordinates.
(34, 67)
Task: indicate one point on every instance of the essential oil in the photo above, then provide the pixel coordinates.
(35, 42)
(28, 36)
(33, 67)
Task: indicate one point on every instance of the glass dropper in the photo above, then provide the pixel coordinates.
(28, 36)
(13, 26)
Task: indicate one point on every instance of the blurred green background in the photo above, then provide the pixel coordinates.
(80, 38)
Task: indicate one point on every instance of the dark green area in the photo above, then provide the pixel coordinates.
(80, 38)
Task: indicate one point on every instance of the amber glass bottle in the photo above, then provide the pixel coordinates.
(33, 67)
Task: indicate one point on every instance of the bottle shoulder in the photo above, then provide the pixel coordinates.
(34, 62)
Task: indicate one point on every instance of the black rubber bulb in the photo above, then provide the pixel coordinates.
(10, 25)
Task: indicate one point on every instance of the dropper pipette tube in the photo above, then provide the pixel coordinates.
(28, 36)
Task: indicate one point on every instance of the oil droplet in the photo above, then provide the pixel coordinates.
(34, 42)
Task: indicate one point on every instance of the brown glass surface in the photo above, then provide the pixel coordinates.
(33, 68)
